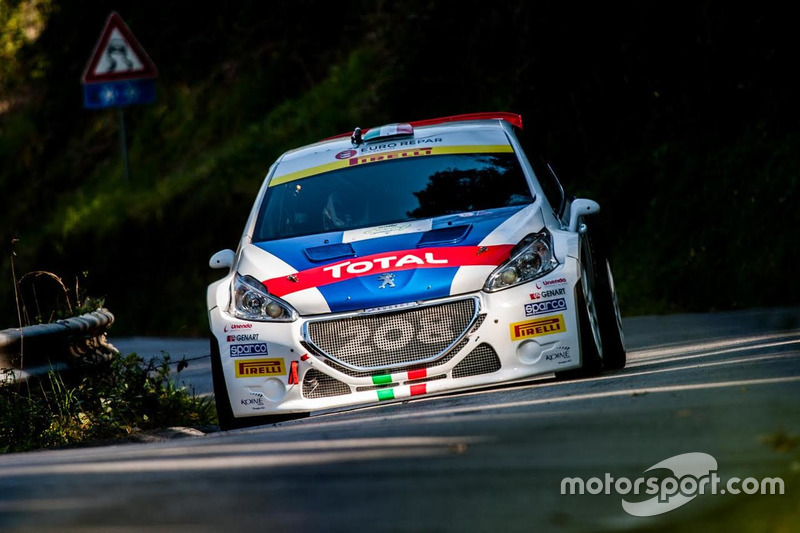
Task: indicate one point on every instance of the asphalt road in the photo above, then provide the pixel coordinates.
(726, 385)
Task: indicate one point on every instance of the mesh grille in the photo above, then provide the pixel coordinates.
(376, 387)
(449, 355)
(392, 340)
(319, 385)
(478, 323)
(482, 360)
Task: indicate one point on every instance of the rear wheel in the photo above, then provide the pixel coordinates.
(222, 400)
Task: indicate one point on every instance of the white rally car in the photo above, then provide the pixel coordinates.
(405, 260)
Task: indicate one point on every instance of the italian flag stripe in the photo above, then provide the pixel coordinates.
(386, 394)
(402, 392)
(406, 376)
(419, 389)
(417, 374)
(381, 380)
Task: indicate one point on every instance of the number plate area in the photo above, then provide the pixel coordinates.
(367, 342)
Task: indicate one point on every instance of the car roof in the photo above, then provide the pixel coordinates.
(422, 128)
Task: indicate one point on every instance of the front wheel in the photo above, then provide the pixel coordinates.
(614, 353)
(609, 319)
(589, 337)
(225, 416)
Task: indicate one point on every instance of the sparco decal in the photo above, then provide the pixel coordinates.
(238, 350)
(455, 256)
(547, 306)
(253, 368)
(234, 327)
(537, 328)
(548, 282)
(242, 338)
(548, 294)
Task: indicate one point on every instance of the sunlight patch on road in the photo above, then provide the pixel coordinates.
(701, 349)
(254, 455)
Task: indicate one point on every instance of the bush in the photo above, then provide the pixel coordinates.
(120, 398)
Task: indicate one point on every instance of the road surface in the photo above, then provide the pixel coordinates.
(725, 385)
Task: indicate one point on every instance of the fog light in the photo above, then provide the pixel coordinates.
(274, 390)
(529, 352)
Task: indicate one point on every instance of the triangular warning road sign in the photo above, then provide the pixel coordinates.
(118, 55)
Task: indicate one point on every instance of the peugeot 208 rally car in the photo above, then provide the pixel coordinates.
(406, 260)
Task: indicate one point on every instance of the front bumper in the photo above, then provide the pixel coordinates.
(271, 368)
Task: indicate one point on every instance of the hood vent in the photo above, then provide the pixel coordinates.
(329, 252)
(448, 235)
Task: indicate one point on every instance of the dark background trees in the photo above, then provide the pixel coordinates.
(680, 119)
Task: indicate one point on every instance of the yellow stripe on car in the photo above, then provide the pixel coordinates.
(362, 159)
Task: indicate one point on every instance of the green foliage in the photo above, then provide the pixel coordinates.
(125, 396)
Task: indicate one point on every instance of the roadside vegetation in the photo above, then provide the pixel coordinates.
(122, 399)
(95, 398)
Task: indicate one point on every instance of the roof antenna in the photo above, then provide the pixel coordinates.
(356, 137)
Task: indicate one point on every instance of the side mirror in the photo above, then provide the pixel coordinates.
(222, 259)
(581, 207)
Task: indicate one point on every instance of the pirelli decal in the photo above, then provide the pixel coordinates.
(255, 368)
(537, 327)
(362, 159)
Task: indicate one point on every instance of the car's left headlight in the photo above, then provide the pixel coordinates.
(532, 258)
(251, 301)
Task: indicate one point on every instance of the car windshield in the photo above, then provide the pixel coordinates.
(391, 191)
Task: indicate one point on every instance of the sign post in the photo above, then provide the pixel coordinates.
(118, 74)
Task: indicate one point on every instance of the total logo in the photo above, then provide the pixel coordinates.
(548, 282)
(383, 263)
(548, 294)
(234, 327)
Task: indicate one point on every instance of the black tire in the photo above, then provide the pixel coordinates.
(591, 361)
(224, 412)
(225, 416)
(605, 297)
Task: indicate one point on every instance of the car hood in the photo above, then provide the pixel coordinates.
(389, 265)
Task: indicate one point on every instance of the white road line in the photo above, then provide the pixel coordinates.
(683, 348)
(563, 399)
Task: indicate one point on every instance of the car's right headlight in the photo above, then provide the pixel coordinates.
(251, 301)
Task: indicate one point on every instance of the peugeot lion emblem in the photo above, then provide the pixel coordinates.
(387, 280)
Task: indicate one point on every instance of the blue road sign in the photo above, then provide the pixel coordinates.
(118, 93)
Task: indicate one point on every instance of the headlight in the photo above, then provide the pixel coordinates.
(530, 259)
(251, 301)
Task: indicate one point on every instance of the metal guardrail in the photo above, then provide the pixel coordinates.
(33, 351)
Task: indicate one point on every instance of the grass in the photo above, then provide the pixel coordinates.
(118, 399)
